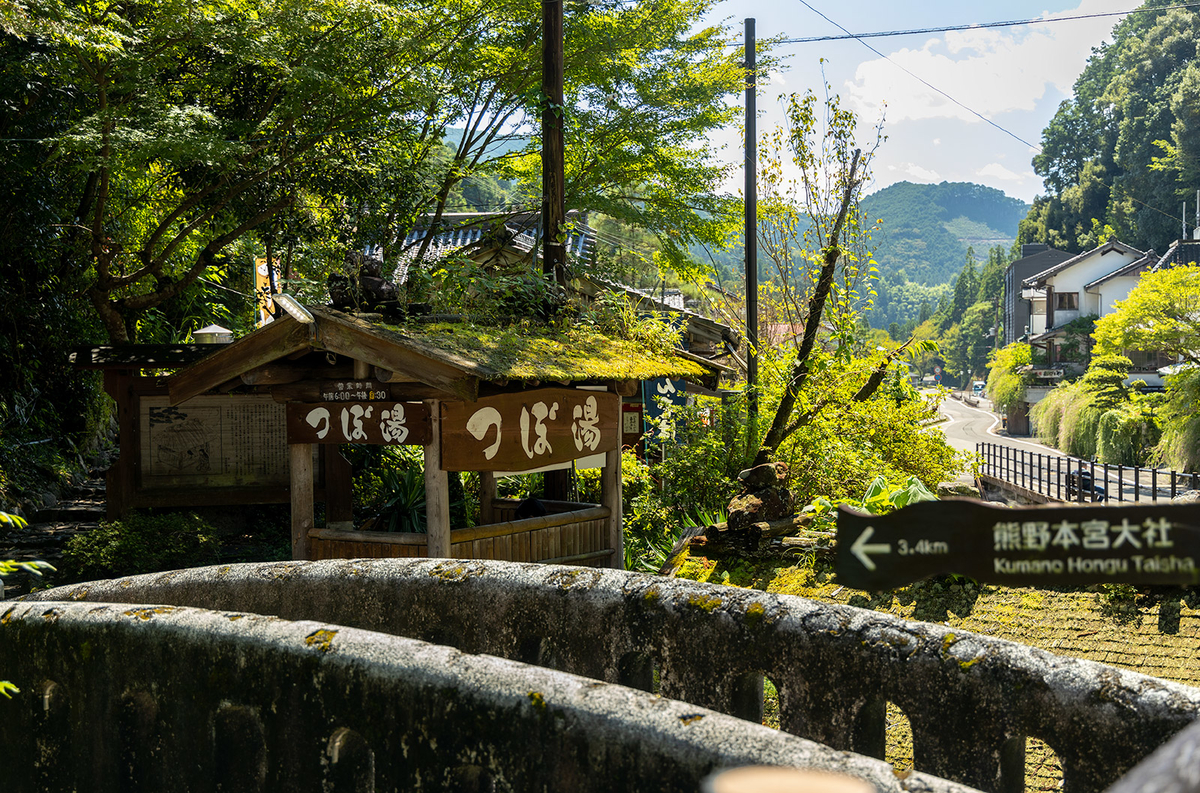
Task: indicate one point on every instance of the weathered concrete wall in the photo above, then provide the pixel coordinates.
(971, 700)
(145, 698)
(1174, 768)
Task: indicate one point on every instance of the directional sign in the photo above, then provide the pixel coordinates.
(1038, 546)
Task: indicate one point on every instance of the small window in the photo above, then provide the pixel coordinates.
(1066, 301)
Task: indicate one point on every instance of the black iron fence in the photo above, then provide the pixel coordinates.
(1063, 478)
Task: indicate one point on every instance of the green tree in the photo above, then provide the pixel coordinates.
(194, 124)
(644, 91)
(817, 232)
(1006, 382)
(1161, 314)
(1121, 151)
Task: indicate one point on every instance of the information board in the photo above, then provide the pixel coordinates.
(213, 441)
(1037, 546)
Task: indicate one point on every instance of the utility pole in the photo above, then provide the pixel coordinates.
(556, 484)
(554, 249)
(751, 239)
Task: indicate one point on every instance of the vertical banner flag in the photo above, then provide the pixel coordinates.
(654, 394)
(264, 288)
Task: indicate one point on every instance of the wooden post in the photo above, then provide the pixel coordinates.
(302, 499)
(121, 478)
(437, 489)
(339, 485)
(610, 496)
(362, 370)
(487, 494)
(554, 251)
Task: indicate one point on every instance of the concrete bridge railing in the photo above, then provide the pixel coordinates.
(971, 700)
(163, 698)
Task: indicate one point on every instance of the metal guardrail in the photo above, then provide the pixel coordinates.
(1064, 478)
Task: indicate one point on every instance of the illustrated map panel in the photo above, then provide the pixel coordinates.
(214, 441)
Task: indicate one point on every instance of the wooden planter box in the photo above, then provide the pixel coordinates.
(571, 534)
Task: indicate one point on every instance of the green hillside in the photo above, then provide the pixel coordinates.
(924, 236)
(927, 228)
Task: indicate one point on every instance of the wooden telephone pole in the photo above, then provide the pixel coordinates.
(554, 249)
(751, 239)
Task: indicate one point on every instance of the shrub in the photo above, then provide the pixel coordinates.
(1098, 416)
(1005, 384)
(1047, 416)
(1126, 436)
(1179, 446)
(141, 543)
(1080, 421)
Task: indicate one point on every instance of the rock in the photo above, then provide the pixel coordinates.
(764, 505)
(955, 489)
(49, 499)
(1187, 497)
(763, 476)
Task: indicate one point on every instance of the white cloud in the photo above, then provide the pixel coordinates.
(992, 71)
(998, 171)
(937, 141)
(916, 171)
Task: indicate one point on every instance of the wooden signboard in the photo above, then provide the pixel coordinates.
(212, 441)
(531, 429)
(379, 423)
(1022, 546)
(354, 391)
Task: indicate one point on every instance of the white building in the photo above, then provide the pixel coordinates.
(1088, 285)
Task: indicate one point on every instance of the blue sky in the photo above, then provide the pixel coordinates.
(1014, 76)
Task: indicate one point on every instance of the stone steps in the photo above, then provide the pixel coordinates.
(46, 536)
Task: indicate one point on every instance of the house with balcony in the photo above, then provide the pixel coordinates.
(1087, 285)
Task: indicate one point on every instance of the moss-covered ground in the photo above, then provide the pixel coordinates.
(1153, 631)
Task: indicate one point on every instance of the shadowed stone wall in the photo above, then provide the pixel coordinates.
(163, 698)
(972, 700)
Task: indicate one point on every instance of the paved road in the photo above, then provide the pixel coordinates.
(1025, 465)
(968, 426)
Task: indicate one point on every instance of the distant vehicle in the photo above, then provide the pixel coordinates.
(977, 387)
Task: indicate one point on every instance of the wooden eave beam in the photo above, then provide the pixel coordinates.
(276, 340)
(347, 338)
(687, 356)
(283, 374)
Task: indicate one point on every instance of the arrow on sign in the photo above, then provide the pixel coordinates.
(861, 549)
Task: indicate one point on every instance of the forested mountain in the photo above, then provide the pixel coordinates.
(923, 239)
(927, 228)
(1123, 152)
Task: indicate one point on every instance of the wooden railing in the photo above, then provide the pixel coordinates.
(571, 534)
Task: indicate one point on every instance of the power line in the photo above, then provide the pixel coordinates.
(922, 80)
(980, 26)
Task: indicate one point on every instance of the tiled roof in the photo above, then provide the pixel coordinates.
(1132, 268)
(460, 230)
(1180, 252)
(1112, 245)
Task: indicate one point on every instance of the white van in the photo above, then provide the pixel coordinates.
(977, 387)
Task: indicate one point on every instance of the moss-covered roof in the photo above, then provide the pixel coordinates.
(540, 352)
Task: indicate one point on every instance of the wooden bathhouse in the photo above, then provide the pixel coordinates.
(259, 420)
